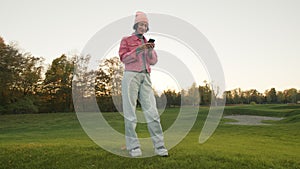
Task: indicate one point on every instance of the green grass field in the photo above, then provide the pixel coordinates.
(57, 141)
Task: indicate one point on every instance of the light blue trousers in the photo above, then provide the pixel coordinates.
(137, 86)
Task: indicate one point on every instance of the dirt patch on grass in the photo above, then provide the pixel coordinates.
(250, 120)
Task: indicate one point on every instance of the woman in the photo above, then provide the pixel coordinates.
(137, 54)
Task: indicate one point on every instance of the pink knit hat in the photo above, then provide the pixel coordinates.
(140, 17)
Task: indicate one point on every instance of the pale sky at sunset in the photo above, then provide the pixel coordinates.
(257, 42)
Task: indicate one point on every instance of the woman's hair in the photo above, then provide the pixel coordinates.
(136, 25)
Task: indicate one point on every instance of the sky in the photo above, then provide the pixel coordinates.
(257, 42)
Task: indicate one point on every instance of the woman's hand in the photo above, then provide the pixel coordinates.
(150, 45)
(147, 46)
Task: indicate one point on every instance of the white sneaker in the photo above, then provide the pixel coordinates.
(135, 152)
(161, 151)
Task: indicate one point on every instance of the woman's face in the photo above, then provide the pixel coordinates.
(142, 27)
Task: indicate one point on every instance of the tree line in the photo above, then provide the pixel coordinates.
(28, 86)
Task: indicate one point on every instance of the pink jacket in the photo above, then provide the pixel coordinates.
(131, 58)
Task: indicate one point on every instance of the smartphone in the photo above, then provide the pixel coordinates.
(151, 40)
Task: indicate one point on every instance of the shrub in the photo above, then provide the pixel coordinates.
(21, 106)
